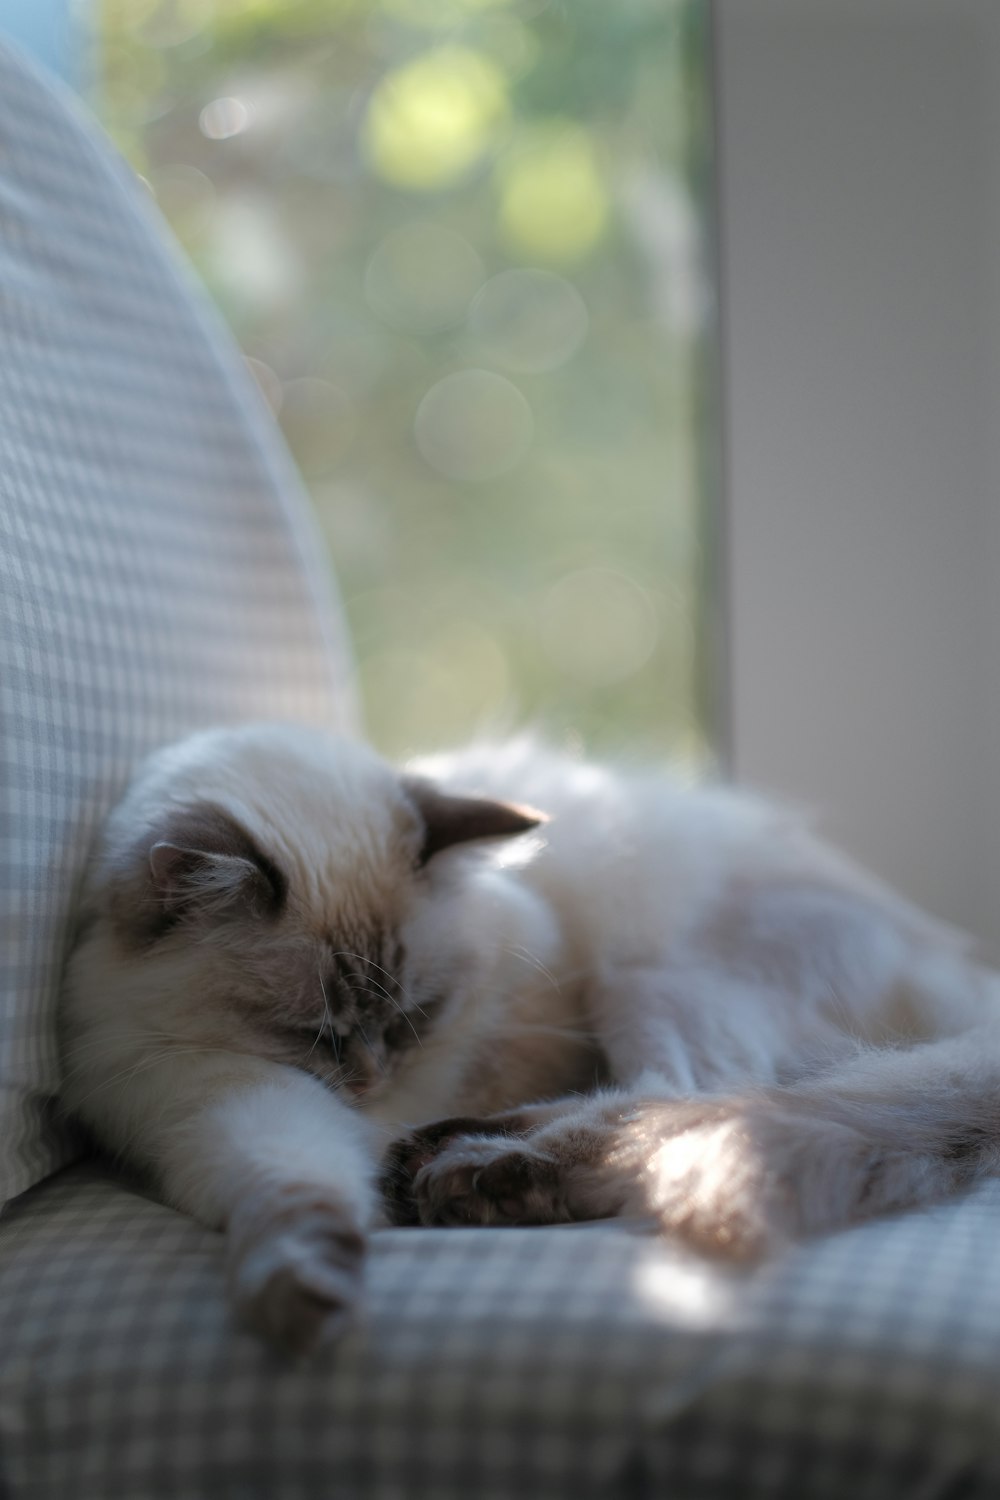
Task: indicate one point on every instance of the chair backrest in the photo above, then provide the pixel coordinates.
(158, 567)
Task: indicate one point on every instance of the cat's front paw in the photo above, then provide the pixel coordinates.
(296, 1268)
(413, 1154)
(489, 1182)
(530, 1166)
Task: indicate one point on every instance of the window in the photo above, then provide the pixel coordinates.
(461, 244)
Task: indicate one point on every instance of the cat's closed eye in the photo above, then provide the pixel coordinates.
(317, 1040)
(401, 1032)
(410, 1027)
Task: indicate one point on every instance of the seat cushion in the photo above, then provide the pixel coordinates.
(500, 1364)
(158, 567)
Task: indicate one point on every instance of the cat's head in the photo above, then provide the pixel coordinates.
(285, 892)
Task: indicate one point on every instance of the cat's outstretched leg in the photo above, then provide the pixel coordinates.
(744, 1174)
(264, 1153)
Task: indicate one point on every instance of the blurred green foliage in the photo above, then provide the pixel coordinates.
(460, 243)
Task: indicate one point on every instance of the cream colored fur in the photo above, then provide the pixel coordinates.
(734, 1029)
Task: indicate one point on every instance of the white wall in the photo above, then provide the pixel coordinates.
(989, 561)
(860, 239)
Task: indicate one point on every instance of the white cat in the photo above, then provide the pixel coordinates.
(662, 1001)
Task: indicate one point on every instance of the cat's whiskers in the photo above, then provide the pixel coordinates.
(362, 989)
(341, 1078)
(562, 982)
(517, 951)
(371, 1051)
(370, 963)
(367, 982)
(326, 1021)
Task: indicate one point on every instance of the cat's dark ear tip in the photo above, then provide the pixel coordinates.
(449, 820)
(533, 817)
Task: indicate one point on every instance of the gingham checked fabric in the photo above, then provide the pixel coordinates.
(157, 568)
(500, 1365)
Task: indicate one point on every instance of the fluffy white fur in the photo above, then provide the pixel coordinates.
(665, 1001)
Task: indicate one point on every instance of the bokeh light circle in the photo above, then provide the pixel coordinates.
(554, 204)
(473, 425)
(223, 118)
(529, 320)
(421, 277)
(251, 251)
(598, 626)
(432, 118)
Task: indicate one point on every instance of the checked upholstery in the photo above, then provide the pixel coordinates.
(158, 571)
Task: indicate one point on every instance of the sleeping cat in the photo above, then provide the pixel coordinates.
(296, 962)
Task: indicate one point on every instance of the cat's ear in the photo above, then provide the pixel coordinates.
(449, 820)
(200, 863)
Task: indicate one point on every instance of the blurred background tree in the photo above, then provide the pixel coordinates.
(460, 242)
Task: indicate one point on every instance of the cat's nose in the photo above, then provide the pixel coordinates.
(357, 1086)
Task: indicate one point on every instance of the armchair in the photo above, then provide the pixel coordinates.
(159, 571)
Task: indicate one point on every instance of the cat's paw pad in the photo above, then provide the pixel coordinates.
(486, 1182)
(407, 1157)
(299, 1281)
